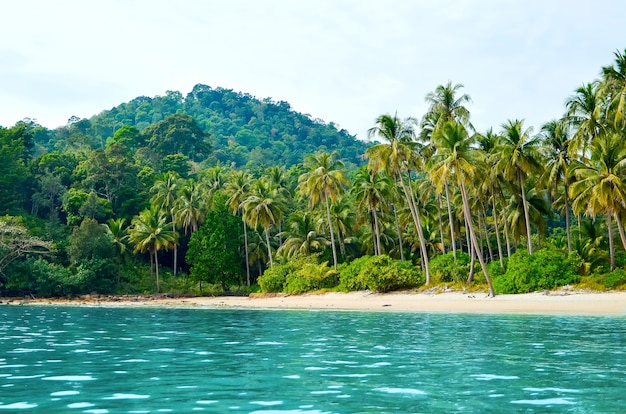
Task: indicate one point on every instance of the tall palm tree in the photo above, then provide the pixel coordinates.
(238, 189)
(519, 157)
(395, 157)
(323, 182)
(445, 106)
(150, 232)
(456, 159)
(585, 112)
(264, 206)
(556, 141)
(164, 194)
(614, 84)
(371, 192)
(600, 188)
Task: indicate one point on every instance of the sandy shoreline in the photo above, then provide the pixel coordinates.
(555, 303)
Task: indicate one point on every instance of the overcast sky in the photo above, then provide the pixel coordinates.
(345, 61)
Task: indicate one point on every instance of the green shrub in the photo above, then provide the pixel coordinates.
(379, 273)
(544, 269)
(615, 279)
(309, 277)
(444, 268)
(274, 278)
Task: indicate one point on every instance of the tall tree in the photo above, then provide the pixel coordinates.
(614, 85)
(395, 157)
(150, 232)
(191, 206)
(585, 112)
(164, 195)
(323, 182)
(519, 156)
(238, 188)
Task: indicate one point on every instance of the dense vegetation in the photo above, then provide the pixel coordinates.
(219, 191)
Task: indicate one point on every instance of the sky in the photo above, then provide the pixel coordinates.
(342, 61)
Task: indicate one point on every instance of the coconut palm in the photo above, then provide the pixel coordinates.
(600, 188)
(265, 207)
(150, 232)
(614, 85)
(119, 236)
(164, 193)
(322, 184)
(518, 156)
(191, 206)
(445, 106)
(456, 159)
(301, 235)
(238, 188)
(585, 112)
(395, 157)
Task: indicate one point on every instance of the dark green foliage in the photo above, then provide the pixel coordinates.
(90, 241)
(213, 249)
(379, 273)
(615, 279)
(178, 133)
(444, 268)
(302, 273)
(544, 269)
(274, 278)
(15, 146)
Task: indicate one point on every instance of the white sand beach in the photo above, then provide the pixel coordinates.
(558, 302)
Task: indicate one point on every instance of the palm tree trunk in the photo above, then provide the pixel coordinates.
(418, 226)
(620, 228)
(332, 233)
(470, 276)
(269, 248)
(495, 223)
(484, 221)
(451, 220)
(483, 266)
(399, 230)
(611, 246)
(526, 217)
(567, 221)
(245, 240)
(443, 243)
(377, 231)
(156, 266)
(506, 236)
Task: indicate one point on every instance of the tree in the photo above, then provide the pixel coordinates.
(164, 193)
(301, 235)
(519, 157)
(585, 111)
(614, 85)
(150, 232)
(238, 188)
(322, 184)
(456, 159)
(178, 133)
(16, 242)
(89, 241)
(264, 206)
(190, 206)
(600, 188)
(119, 237)
(15, 146)
(395, 158)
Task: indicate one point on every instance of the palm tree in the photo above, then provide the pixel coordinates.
(585, 111)
(445, 106)
(599, 188)
(150, 232)
(556, 141)
(119, 236)
(371, 192)
(614, 85)
(301, 236)
(456, 158)
(164, 193)
(191, 206)
(518, 157)
(264, 206)
(238, 188)
(323, 182)
(395, 158)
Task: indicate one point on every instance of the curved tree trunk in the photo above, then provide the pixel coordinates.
(377, 231)
(497, 228)
(486, 230)
(269, 248)
(483, 266)
(399, 230)
(620, 228)
(418, 226)
(609, 225)
(526, 217)
(443, 242)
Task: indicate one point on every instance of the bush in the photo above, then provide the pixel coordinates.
(444, 268)
(379, 273)
(310, 276)
(615, 279)
(543, 270)
(274, 278)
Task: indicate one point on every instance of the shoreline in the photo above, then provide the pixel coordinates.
(548, 302)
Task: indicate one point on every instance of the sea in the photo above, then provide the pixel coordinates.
(79, 359)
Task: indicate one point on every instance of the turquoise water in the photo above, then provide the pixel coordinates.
(110, 360)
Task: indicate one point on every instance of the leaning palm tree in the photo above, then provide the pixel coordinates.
(518, 156)
(323, 182)
(585, 112)
(150, 232)
(457, 159)
(614, 85)
(119, 237)
(600, 188)
(395, 157)
(265, 207)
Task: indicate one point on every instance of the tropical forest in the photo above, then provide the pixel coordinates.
(218, 192)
